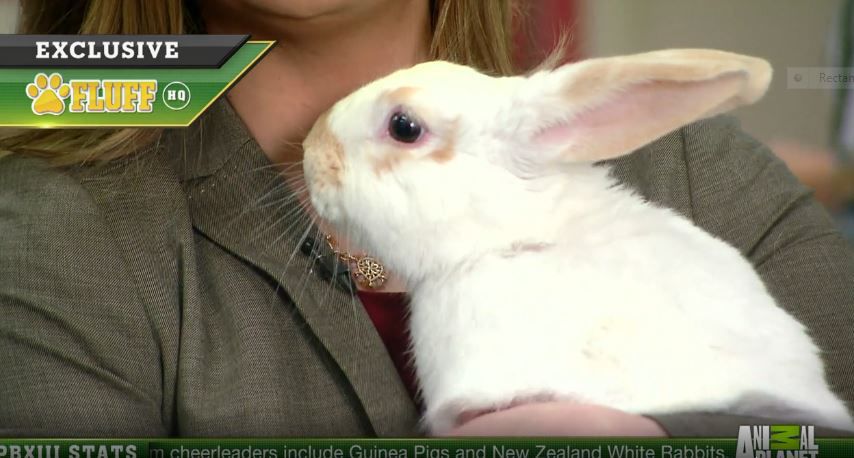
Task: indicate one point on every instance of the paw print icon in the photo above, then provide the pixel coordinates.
(48, 94)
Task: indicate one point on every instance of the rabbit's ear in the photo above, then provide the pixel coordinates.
(604, 108)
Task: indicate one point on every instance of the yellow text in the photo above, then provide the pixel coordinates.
(112, 96)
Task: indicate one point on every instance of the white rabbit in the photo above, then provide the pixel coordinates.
(533, 274)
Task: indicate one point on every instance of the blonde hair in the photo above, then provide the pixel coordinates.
(471, 32)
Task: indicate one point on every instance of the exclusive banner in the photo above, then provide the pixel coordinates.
(753, 447)
(53, 81)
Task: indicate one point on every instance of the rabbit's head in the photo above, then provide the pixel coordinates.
(433, 164)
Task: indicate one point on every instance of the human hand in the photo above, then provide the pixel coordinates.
(559, 419)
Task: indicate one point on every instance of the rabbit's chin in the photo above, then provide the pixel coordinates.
(326, 210)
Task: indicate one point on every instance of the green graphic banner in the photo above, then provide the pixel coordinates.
(118, 97)
(417, 448)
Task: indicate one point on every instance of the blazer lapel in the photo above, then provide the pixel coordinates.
(240, 201)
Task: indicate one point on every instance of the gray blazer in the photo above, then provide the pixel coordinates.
(164, 293)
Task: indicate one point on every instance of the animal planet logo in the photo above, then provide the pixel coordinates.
(776, 441)
(90, 96)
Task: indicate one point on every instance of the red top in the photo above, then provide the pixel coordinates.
(389, 313)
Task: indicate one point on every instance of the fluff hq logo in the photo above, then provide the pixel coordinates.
(49, 94)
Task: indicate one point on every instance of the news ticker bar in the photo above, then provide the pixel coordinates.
(412, 448)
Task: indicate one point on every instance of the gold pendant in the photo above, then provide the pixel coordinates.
(369, 272)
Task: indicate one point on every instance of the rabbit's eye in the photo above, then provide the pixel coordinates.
(404, 128)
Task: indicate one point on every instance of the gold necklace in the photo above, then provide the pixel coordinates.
(368, 272)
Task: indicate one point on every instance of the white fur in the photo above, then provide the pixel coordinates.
(536, 276)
